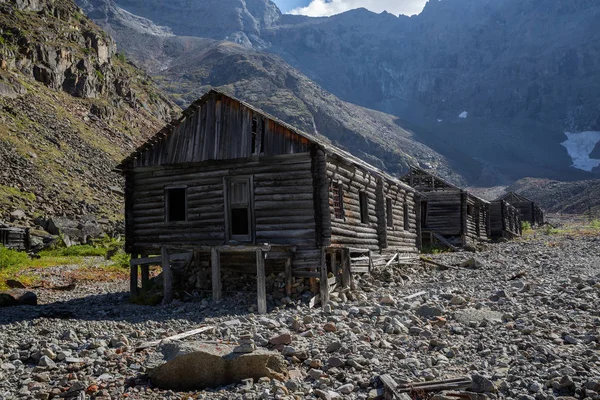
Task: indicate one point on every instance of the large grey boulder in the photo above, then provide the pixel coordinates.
(74, 232)
(18, 297)
(196, 366)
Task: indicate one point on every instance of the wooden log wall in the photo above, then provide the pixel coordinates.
(444, 212)
(477, 228)
(15, 238)
(505, 220)
(283, 204)
(221, 129)
(373, 235)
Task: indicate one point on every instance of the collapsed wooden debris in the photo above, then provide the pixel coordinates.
(394, 390)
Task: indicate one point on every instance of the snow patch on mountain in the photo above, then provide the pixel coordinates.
(463, 115)
(579, 146)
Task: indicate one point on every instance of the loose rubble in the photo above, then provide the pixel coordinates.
(523, 325)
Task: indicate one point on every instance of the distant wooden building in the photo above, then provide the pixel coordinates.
(449, 213)
(528, 210)
(241, 189)
(505, 221)
(15, 238)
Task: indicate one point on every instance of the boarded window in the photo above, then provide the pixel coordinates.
(338, 200)
(364, 208)
(389, 212)
(405, 215)
(254, 134)
(239, 209)
(176, 204)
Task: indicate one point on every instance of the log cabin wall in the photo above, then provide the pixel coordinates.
(372, 231)
(445, 213)
(476, 219)
(282, 212)
(505, 220)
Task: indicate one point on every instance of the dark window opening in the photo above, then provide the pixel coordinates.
(389, 212)
(239, 221)
(364, 208)
(423, 214)
(262, 136)
(338, 200)
(470, 212)
(254, 133)
(176, 205)
(405, 214)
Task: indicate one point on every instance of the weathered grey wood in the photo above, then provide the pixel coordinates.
(346, 276)
(216, 274)
(133, 276)
(179, 336)
(167, 276)
(324, 285)
(261, 282)
(288, 276)
(145, 276)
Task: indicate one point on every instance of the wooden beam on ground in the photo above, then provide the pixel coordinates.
(133, 277)
(167, 276)
(412, 296)
(261, 282)
(445, 242)
(288, 276)
(389, 385)
(324, 284)
(215, 262)
(437, 264)
(175, 337)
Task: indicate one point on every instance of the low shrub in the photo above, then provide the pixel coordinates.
(85, 250)
(12, 258)
(525, 226)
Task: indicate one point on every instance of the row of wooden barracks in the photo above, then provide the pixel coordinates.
(228, 186)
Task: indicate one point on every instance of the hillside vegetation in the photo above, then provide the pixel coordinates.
(70, 108)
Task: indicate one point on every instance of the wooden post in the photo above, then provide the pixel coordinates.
(334, 266)
(167, 276)
(215, 262)
(261, 283)
(288, 276)
(133, 277)
(345, 269)
(324, 283)
(145, 274)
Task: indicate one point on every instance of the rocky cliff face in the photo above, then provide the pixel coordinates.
(70, 109)
(494, 82)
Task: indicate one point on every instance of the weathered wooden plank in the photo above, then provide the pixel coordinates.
(167, 276)
(261, 282)
(216, 274)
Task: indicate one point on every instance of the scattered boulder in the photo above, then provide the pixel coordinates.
(481, 384)
(194, 366)
(18, 297)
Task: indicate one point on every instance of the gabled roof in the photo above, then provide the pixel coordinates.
(420, 171)
(517, 196)
(321, 141)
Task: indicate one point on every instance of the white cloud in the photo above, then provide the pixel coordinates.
(323, 8)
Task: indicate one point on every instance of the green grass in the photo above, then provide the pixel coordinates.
(433, 250)
(75, 251)
(595, 224)
(10, 259)
(526, 226)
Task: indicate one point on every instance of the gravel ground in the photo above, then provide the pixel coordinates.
(521, 319)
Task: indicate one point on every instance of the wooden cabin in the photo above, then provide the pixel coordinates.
(240, 189)
(450, 215)
(15, 238)
(528, 210)
(505, 221)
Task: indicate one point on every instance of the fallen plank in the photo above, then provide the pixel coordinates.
(390, 386)
(391, 261)
(412, 296)
(437, 264)
(175, 337)
(445, 241)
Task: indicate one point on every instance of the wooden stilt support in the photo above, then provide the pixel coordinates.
(133, 277)
(215, 261)
(145, 274)
(334, 268)
(324, 284)
(288, 276)
(345, 269)
(261, 282)
(167, 276)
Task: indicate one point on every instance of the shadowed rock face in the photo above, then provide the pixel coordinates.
(491, 84)
(195, 366)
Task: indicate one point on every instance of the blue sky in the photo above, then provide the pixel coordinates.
(317, 8)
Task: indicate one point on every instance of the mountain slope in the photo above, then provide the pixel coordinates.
(70, 109)
(492, 82)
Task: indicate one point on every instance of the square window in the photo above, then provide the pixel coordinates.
(176, 204)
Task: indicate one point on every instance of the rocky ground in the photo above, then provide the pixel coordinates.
(521, 320)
